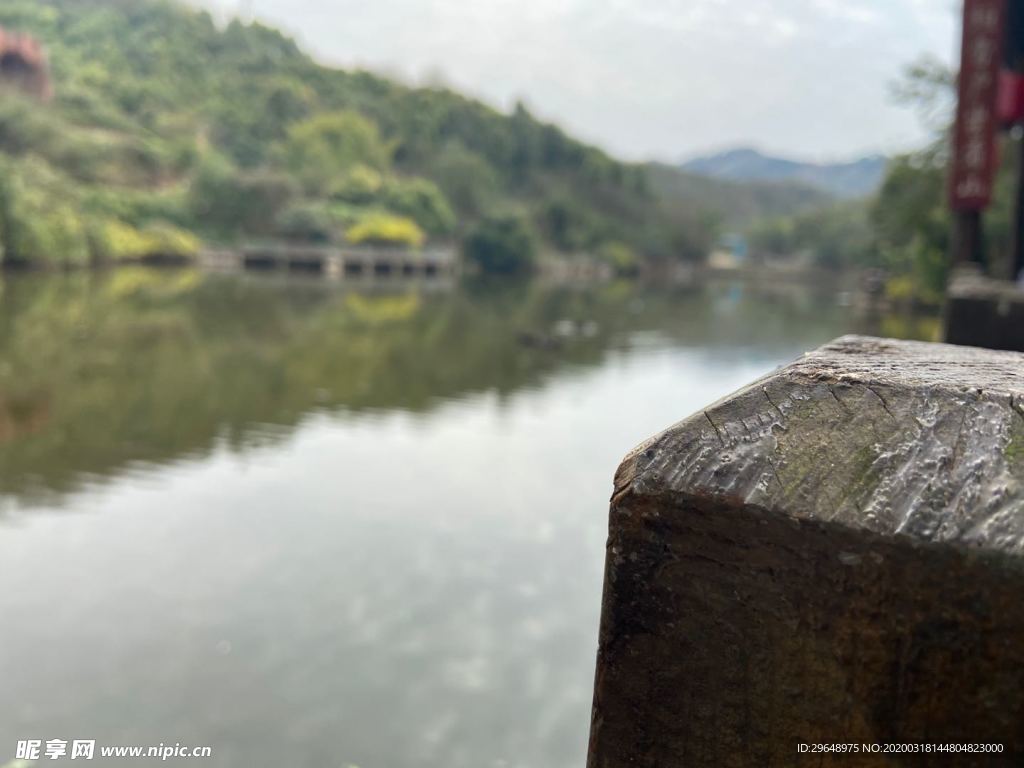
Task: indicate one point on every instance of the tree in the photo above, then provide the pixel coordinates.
(307, 222)
(384, 229)
(568, 225)
(359, 186)
(467, 179)
(929, 87)
(502, 245)
(421, 201)
(324, 148)
(228, 201)
(161, 114)
(912, 224)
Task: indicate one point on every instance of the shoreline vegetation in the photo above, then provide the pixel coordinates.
(168, 134)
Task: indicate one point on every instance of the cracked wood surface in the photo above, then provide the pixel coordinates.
(925, 440)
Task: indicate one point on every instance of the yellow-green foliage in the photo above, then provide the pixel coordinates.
(331, 145)
(359, 185)
(421, 201)
(620, 257)
(153, 284)
(118, 241)
(382, 228)
(47, 218)
(381, 310)
(168, 240)
(39, 220)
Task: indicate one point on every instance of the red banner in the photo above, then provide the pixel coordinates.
(1010, 104)
(974, 138)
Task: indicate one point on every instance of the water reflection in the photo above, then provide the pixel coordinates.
(101, 373)
(323, 528)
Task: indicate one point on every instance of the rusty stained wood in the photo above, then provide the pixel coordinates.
(832, 554)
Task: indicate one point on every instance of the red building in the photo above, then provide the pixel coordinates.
(23, 64)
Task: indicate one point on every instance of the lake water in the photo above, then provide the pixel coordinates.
(310, 526)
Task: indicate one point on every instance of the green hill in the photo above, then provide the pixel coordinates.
(167, 129)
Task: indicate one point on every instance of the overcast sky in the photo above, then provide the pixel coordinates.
(663, 79)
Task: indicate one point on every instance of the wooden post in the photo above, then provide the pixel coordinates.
(832, 555)
(967, 238)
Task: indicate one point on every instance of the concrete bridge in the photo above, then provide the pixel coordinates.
(336, 262)
(23, 64)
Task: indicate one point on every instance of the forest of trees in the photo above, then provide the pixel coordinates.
(167, 130)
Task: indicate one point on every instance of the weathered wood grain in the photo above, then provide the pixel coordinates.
(832, 554)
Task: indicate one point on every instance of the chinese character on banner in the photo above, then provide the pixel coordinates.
(984, 17)
(56, 748)
(28, 750)
(83, 749)
(974, 138)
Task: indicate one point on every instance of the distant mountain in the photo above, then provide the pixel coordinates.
(859, 178)
(734, 204)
